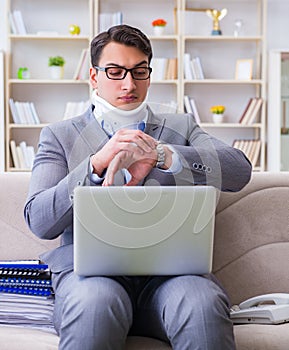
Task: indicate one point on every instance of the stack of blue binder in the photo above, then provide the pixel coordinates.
(26, 295)
(30, 277)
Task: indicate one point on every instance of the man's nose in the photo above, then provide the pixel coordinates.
(129, 82)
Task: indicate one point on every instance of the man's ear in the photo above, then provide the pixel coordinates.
(93, 77)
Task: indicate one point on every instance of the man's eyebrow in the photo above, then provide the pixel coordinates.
(111, 64)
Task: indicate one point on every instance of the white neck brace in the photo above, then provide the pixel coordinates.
(115, 118)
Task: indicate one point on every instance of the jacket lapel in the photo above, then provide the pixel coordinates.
(90, 131)
(155, 125)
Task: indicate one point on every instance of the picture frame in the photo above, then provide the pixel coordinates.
(244, 69)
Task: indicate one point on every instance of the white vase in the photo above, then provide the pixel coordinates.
(159, 30)
(218, 118)
(56, 72)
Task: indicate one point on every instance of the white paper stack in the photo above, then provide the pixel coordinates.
(27, 311)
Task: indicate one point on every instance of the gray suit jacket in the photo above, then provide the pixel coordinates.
(62, 163)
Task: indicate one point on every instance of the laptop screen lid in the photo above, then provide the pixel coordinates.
(143, 230)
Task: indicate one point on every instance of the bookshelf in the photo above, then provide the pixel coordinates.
(219, 55)
(186, 31)
(278, 110)
(31, 48)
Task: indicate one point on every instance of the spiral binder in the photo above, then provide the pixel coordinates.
(29, 278)
(26, 290)
(23, 269)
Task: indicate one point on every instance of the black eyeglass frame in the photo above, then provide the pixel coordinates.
(131, 70)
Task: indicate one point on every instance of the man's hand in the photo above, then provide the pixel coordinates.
(138, 164)
(123, 140)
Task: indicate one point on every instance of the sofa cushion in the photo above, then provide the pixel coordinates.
(252, 238)
(17, 241)
(18, 338)
(262, 337)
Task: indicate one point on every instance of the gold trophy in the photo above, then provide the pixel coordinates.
(216, 16)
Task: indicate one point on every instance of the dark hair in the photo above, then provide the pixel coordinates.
(122, 34)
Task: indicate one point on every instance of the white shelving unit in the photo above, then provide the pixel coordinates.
(186, 31)
(278, 111)
(44, 38)
(218, 55)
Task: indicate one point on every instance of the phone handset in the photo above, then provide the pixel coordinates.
(273, 298)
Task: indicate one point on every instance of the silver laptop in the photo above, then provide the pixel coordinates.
(143, 230)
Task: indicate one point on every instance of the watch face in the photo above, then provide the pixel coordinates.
(161, 155)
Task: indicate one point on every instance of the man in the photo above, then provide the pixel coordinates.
(117, 141)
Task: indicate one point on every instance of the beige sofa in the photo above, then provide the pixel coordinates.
(251, 256)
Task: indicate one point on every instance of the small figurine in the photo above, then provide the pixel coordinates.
(216, 16)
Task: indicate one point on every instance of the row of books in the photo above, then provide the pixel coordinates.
(22, 155)
(26, 294)
(23, 112)
(107, 20)
(164, 68)
(190, 107)
(16, 23)
(251, 148)
(251, 111)
(249, 116)
(193, 68)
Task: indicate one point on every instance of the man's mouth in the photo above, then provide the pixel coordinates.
(128, 98)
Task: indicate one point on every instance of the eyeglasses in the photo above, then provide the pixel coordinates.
(119, 73)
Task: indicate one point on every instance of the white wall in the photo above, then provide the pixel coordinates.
(278, 24)
(2, 47)
(3, 25)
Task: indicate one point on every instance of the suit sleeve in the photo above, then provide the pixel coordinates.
(205, 159)
(48, 209)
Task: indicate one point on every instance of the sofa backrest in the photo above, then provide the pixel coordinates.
(16, 240)
(251, 251)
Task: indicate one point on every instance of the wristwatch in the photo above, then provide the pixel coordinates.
(161, 156)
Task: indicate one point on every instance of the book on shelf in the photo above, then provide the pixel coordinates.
(251, 111)
(172, 69)
(187, 67)
(23, 112)
(164, 68)
(251, 148)
(73, 109)
(191, 107)
(82, 68)
(17, 25)
(22, 155)
(197, 68)
(15, 159)
(109, 19)
(193, 68)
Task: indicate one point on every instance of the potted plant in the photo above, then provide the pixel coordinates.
(159, 26)
(56, 67)
(218, 113)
